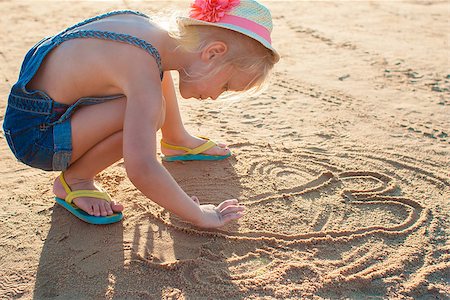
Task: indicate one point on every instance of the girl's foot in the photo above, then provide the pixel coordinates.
(191, 142)
(93, 206)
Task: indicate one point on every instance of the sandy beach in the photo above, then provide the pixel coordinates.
(343, 163)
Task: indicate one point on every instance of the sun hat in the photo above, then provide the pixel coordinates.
(248, 17)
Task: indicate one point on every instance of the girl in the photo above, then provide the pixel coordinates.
(100, 90)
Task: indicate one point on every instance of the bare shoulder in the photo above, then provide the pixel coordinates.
(138, 76)
(133, 68)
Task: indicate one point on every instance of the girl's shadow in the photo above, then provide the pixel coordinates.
(212, 182)
(83, 261)
(78, 259)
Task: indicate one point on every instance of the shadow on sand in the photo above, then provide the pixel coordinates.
(140, 257)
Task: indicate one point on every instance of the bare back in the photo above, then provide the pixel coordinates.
(89, 67)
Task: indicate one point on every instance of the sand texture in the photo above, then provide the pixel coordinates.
(343, 164)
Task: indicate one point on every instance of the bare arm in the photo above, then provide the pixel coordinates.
(144, 170)
(144, 113)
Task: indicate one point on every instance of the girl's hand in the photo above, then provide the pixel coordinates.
(217, 216)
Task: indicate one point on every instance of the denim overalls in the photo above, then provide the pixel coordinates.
(36, 127)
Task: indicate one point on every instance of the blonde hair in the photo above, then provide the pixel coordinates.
(244, 53)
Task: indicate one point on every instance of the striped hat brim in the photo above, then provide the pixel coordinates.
(190, 21)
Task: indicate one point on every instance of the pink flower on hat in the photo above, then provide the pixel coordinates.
(211, 10)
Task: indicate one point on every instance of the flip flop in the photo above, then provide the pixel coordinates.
(81, 214)
(193, 154)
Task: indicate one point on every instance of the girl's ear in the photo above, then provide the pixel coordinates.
(214, 50)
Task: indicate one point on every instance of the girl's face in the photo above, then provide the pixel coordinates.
(228, 79)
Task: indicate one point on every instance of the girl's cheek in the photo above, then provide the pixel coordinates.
(203, 85)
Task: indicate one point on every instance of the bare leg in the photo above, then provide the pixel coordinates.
(173, 130)
(97, 144)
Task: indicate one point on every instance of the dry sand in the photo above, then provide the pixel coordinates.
(343, 163)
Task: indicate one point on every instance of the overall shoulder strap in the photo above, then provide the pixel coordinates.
(119, 37)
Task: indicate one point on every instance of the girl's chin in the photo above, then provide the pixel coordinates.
(184, 95)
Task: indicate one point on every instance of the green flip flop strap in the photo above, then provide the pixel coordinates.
(202, 148)
(87, 193)
(64, 183)
(81, 193)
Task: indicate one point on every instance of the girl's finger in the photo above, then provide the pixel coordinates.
(227, 203)
(232, 209)
(233, 216)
